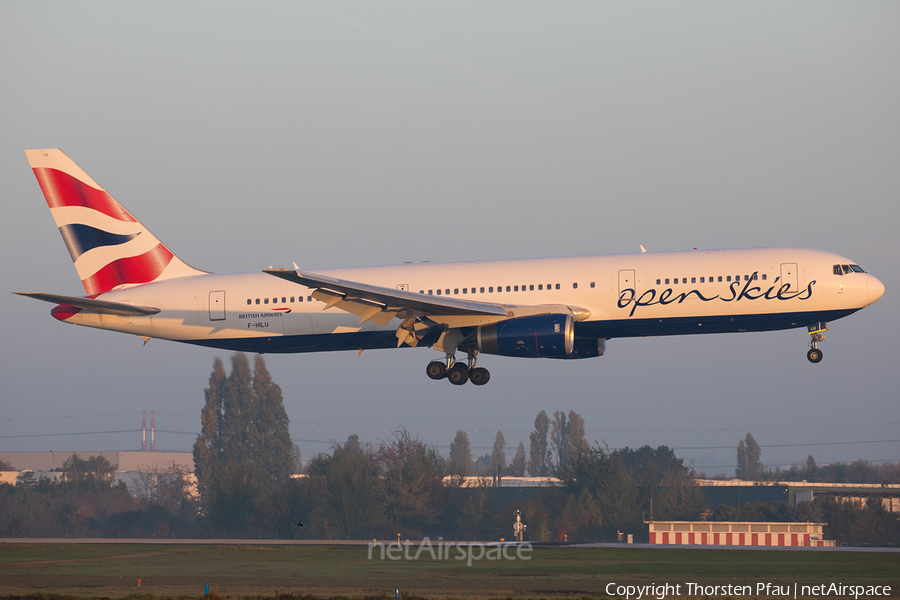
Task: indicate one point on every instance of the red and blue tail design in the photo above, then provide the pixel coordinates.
(110, 248)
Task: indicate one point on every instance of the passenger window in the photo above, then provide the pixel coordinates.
(726, 279)
(248, 301)
(540, 286)
(439, 292)
(516, 289)
(464, 290)
(667, 282)
(530, 288)
(429, 293)
(482, 291)
(292, 299)
(557, 286)
(693, 280)
(592, 284)
(257, 300)
(300, 298)
(283, 300)
(447, 292)
(490, 289)
(507, 288)
(658, 282)
(755, 277)
(764, 276)
(574, 286)
(702, 280)
(746, 278)
(720, 279)
(455, 291)
(309, 298)
(266, 301)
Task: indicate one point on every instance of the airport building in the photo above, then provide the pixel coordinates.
(130, 467)
(735, 492)
(731, 533)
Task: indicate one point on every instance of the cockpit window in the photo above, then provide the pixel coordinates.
(838, 270)
(846, 268)
(857, 269)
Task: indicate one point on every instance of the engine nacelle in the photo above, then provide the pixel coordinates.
(540, 336)
(587, 348)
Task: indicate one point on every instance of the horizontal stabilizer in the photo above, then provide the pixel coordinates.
(97, 306)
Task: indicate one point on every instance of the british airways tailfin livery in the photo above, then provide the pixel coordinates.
(565, 307)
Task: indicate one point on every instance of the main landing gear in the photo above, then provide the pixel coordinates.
(815, 333)
(458, 373)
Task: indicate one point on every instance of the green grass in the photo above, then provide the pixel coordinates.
(112, 570)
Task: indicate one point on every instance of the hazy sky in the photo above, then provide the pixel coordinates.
(348, 133)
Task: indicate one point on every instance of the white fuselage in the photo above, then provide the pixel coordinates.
(654, 293)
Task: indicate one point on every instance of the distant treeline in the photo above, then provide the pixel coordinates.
(244, 462)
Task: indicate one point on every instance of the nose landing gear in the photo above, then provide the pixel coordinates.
(815, 333)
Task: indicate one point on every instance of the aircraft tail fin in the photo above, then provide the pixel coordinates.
(110, 248)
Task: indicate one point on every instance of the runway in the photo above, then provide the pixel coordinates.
(277, 542)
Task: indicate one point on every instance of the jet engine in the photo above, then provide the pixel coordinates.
(539, 336)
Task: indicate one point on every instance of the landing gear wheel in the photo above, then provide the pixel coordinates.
(436, 370)
(479, 376)
(814, 355)
(458, 374)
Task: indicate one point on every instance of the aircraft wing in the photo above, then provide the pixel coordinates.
(98, 306)
(419, 312)
(372, 299)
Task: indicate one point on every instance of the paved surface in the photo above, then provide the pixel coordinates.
(270, 542)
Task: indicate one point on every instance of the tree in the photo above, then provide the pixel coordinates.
(244, 447)
(539, 455)
(94, 470)
(517, 467)
(6, 466)
(678, 498)
(273, 438)
(482, 465)
(460, 463)
(354, 500)
(498, 456)
(568, 440)
(413, 476)
(475, 515)
(748, 464)
(169, 486)
(609, 481)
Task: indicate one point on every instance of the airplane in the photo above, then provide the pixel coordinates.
(562, 308)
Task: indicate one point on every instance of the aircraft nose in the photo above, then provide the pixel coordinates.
(875, 289)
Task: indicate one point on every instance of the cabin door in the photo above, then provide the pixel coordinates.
(789, 276)
(217, 306)
(626, 281)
